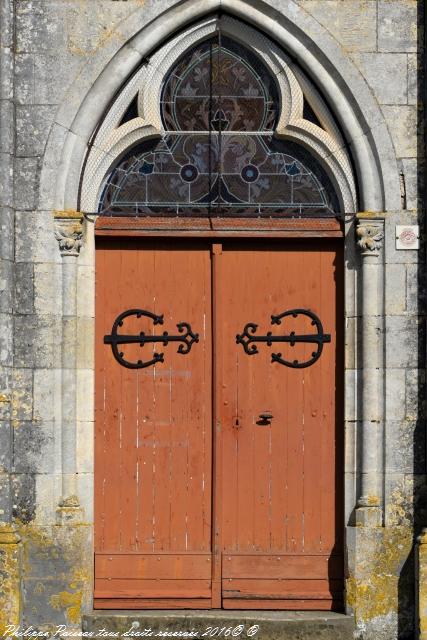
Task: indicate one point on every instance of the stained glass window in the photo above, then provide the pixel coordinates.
(218, 155)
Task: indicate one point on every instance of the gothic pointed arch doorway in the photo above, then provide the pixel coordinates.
(218, 450)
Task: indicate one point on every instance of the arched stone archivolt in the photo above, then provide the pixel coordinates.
(322, 140)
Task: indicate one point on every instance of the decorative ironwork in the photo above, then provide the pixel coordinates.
(187, 338)
(248, 338)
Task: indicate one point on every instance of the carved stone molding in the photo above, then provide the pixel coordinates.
(370, 237)
(69, 233)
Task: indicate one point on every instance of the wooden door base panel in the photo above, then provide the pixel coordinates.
(153, 566)
(155, 603)
(185, 588)
(284, 605)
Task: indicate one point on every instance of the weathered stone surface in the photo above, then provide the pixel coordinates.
(414, 172)
(402, 122)
(47, 389)
(386, 74)
(352, 344)
(26, 177)
(7, 233)
(416, 76)
(23, 496)
(395, 289)
(5, 497)
(37, 341)
(24, 288)
(397, 25)
(405, 446)
(24, 78)
(405, 341)
(273, 625)
(406, 496)
(355, 29)
(6, 290)
(22, 394)
(415, 386)
(32, 447)
(6, 124)
(416, 290)
(32, 128)
(85, 343)
(84, 442)
(85, 408)
(35, 238)
(376, 558)
(42, 78)
(395, 394)
(39, 26)
(6, 339)
(6, 173)
(37, 594)
(58, 558)
(5, 447)
(47, 284)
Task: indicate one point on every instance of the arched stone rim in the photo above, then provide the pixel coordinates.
(112, 140)
(341, 84)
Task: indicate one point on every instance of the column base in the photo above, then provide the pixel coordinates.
(69, 511)
(369, 516)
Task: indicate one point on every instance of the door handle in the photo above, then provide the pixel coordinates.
(265, 418)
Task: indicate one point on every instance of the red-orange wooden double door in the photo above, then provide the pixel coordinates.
(200, 500)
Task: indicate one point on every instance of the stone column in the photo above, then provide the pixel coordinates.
(370, 233)
(69, 233)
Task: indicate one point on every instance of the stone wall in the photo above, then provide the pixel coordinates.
(52, 53)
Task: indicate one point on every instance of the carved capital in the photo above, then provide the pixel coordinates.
(69, 233)
(370, 237)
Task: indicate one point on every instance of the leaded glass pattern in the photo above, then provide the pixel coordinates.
(218, 155)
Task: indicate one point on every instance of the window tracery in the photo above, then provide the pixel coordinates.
(218, 154)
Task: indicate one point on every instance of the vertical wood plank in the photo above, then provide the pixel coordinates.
(154, 430)
(218, 420)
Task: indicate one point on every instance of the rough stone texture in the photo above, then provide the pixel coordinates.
(355, 29)
(397, 25)
(402, 122)
(51, 46)
(26, 183)
(386, 74)
(273, 625)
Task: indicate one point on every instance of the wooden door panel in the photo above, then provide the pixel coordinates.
(284, 567)
(281, 493)
(155, 588)
(277, 490)
(165, 566)
(153, 425)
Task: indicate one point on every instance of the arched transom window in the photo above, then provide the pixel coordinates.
(218, 153)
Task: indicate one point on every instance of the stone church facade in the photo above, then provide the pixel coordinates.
(70, 71)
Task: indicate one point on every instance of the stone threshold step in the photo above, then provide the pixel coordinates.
(201, 624)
